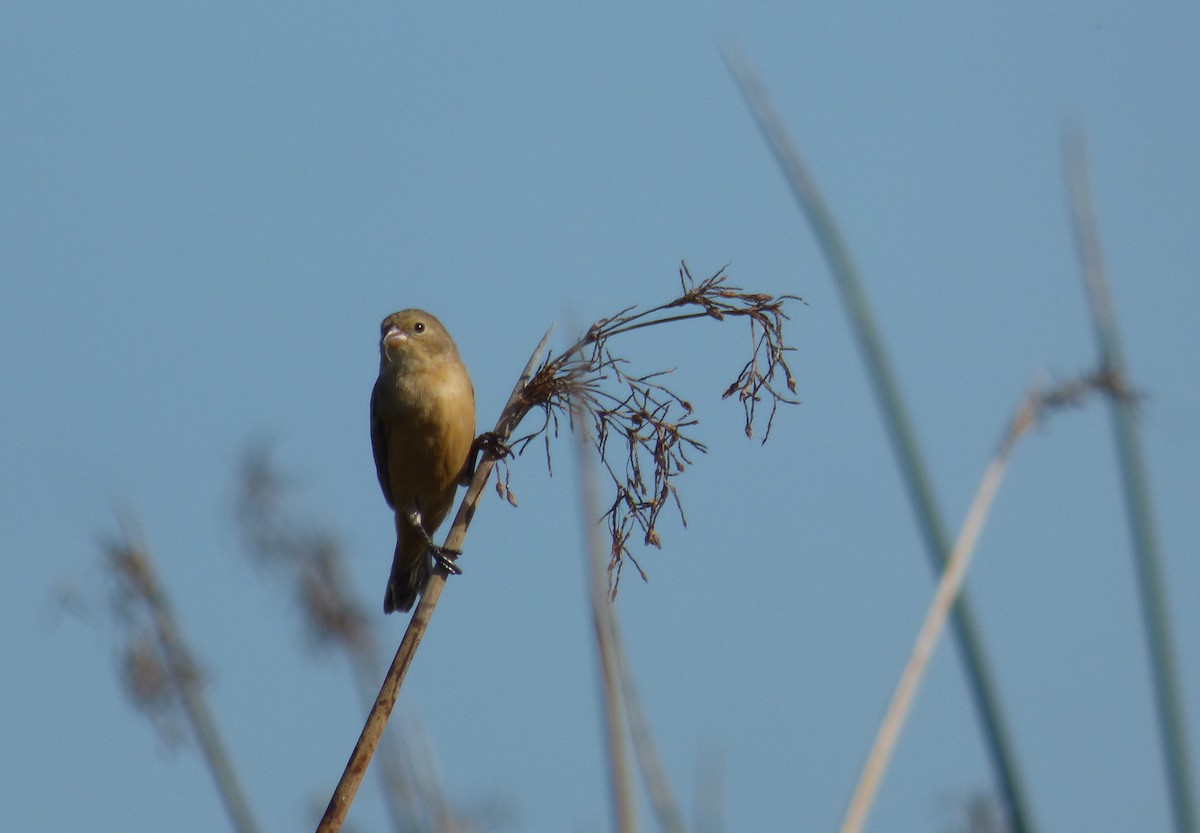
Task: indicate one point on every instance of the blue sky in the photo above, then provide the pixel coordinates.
(206, 209)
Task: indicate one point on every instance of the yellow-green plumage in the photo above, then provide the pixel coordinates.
(422, 429)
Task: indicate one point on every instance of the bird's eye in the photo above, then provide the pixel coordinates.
(419, 327)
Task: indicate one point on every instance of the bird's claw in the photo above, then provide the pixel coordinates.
(490, 443)
(445, 557)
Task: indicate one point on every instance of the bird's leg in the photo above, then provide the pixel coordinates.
(444, 556)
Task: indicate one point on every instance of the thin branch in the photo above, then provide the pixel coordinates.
(1172, 727)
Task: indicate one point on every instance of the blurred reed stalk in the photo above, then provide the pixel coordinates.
(621, 702)
(603, 624)
(160, 671)
(900, 432)
(710, 792)
(1134, 481)
(1032, 410)
(645, 750)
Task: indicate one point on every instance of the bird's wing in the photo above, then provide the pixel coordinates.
(379, 447)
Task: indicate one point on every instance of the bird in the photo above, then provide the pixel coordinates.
(422, 434)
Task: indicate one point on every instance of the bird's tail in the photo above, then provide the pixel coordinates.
(410, 570)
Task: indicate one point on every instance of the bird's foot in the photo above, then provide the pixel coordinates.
(445, 557)
(442, 556)
(489, 442)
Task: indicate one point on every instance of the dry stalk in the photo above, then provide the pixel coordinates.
(304, 553)
(160, 674)
(608, 651)
(1032, 410)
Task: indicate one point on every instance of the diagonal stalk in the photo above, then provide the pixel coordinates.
(935, 621)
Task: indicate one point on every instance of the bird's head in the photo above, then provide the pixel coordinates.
(412, 338)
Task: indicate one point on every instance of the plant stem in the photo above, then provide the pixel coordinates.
(620, 783)
(935, 620)
(185, 679)
(1168, 702)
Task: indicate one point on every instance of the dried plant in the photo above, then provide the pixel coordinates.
(162, 679)
(1040, 403)
(275, 537)
(1035, 407)
(146, 661)
(640, 427)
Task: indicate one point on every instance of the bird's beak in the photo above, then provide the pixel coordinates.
(393, 337)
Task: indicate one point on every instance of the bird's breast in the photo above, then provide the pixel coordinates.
(429, 417)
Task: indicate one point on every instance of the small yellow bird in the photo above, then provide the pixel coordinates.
(422, 432)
